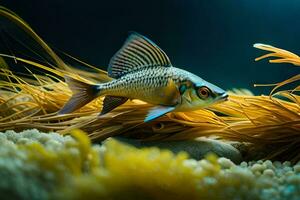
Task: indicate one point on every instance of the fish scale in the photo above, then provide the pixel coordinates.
(138, 83)
(145, 83)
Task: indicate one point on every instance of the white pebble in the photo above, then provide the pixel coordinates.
(225, 163)
(286, 163)
(190, 163)
(268, 164)
(244, 164)
(269, 172)
(258, 168)
(23, 141)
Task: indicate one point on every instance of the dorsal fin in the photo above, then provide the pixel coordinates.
(136, 53)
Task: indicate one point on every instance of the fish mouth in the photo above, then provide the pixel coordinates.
(223, 97)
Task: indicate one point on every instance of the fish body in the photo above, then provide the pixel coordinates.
(141, 70)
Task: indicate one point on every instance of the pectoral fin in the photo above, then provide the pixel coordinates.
(157, 111)
(111, 102)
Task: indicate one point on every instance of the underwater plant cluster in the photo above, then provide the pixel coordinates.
(44, 155)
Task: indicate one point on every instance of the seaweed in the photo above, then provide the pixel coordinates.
(268, 124)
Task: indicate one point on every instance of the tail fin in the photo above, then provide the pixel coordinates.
(83, 93)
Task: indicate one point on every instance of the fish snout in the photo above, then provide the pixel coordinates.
(222, 96)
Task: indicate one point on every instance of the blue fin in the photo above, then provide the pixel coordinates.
(157, 111)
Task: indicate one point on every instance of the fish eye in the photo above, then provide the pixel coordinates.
(203, 92)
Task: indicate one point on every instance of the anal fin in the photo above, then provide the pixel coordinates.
(111, 102)
(157, 112)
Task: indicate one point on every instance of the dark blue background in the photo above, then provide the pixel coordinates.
(212, 38)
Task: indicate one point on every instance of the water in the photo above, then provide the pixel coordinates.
(210, 38)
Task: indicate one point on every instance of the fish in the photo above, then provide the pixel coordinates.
(142, 70)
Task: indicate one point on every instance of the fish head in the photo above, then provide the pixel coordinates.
(197, 93)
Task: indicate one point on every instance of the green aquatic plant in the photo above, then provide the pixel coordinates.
(36, 165)
(266, 124)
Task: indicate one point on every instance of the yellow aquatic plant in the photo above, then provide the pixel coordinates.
(269, 124)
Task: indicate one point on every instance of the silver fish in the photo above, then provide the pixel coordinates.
(141, 70)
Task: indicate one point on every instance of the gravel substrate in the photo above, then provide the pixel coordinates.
(35, 165)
